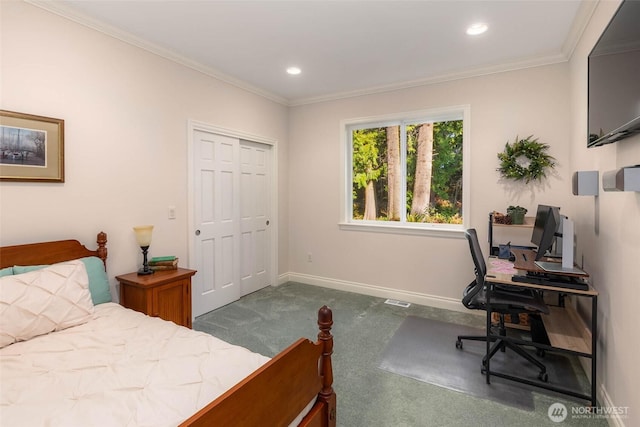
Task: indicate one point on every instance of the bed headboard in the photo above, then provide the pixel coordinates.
(51, 252)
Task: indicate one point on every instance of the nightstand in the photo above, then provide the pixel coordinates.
(164, 294)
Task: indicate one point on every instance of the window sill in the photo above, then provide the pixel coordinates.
(436, 230)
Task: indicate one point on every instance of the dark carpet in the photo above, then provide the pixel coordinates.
(424, 349)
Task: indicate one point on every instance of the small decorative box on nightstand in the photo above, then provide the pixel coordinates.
(164, 294)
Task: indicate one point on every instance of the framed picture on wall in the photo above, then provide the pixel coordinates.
(31, 148)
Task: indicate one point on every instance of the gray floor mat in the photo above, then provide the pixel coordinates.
(425, 350)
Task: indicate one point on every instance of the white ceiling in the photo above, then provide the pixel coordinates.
(344, 48)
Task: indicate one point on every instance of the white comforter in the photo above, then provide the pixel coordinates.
(120, 369)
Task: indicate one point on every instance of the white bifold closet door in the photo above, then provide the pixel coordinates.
(232, 239)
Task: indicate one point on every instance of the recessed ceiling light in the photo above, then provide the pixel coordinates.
(294, 71)
(477, 29)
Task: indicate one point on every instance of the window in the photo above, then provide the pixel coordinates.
(407, 171)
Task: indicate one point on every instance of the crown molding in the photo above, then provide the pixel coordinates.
(585, 12)
(580, 22)
(458, 75)
(83, 19)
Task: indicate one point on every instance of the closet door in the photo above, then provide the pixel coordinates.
(232, 240)
(255, 205)
(217, 226)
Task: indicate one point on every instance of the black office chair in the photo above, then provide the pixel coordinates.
(503, 302)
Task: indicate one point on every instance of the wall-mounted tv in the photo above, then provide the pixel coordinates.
(614, 85)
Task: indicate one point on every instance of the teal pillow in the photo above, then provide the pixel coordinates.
(98, 281)
(20, 269)
(7, 271)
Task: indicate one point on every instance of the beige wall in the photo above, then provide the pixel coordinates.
(419, 268)
(126, 112)
(608, 233)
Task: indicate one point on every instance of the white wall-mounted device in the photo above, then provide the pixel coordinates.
(623, 179)
(585, 183)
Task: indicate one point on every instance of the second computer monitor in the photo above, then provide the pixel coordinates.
(545, 229)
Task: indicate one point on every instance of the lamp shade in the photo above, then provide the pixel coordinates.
(143, 234)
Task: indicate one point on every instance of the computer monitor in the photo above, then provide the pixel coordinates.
(545, 228)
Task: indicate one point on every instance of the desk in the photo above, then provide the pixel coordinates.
(566, 331)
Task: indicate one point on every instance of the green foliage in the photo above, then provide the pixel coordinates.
(512, 209)
(447, 161)
(446, 179)
(366, 165)
(442, 212)
(525, 160)
(370, 163)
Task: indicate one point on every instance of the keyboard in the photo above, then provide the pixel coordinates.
(560, 282)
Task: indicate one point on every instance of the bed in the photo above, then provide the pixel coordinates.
(116, 366)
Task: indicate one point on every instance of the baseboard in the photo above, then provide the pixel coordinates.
(614, 420)
(375, 291)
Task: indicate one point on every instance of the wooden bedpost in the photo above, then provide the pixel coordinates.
(327, 395)
(102, 247)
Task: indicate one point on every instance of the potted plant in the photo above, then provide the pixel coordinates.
(516, 213)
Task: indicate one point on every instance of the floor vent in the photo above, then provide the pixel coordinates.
(398, 303)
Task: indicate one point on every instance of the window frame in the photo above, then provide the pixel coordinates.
(403, 119)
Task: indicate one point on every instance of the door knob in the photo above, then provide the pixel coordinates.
(197, 232)
(267, 222)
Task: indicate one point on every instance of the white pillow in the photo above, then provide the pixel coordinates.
(42, 301)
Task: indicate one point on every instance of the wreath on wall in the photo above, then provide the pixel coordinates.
(525, 160)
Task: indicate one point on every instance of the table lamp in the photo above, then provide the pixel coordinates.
(143, 237)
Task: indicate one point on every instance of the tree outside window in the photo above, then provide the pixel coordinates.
(407, 171)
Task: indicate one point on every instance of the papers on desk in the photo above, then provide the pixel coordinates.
(500, 266)
(556, 267)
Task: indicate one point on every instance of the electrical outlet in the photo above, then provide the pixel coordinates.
(172, 212)
(309, 257)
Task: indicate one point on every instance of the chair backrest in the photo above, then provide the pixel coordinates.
(476, 253)
(480, 269)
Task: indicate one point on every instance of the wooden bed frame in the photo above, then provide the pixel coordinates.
(273, 395)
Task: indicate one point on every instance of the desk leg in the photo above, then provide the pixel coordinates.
(594, 347)
(487, 358)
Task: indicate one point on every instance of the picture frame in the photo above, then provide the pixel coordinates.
(31, 148)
